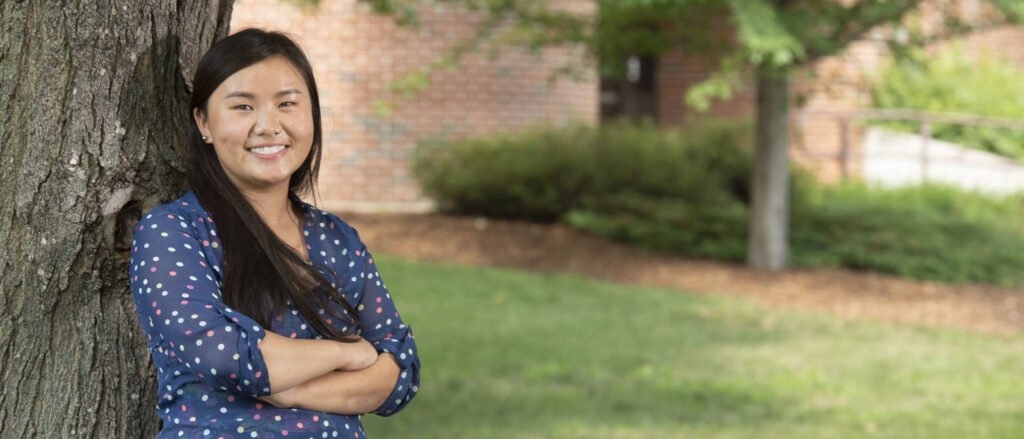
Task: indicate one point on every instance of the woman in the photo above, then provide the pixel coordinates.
(266, 317)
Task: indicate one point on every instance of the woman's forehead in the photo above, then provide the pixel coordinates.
(271, 77)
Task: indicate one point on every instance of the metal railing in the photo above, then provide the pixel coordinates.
(926, 120)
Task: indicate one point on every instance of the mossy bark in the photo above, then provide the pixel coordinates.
(93, 114)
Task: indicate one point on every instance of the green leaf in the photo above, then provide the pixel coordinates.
(763, 36)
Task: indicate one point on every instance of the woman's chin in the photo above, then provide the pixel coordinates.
(265, 183)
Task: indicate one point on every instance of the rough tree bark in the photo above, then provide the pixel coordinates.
(768, 241)
(93, 108)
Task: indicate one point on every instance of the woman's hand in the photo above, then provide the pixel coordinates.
(359, 354)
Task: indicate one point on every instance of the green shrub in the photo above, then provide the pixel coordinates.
(686, 192)
(954, 82)
(543, 174)
(935, 233)
(929, 232)
(706, 230)
(528, 176)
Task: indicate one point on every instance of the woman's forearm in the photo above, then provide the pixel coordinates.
(349, 393)
(291, 362)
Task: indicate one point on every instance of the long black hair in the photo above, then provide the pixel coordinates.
(260, 272)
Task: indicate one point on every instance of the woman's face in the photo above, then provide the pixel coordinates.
(260, 123)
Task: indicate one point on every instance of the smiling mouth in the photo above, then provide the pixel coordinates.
(271, 149)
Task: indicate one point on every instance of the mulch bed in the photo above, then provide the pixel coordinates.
(557, 248)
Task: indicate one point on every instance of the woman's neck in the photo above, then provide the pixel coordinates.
(274, 207)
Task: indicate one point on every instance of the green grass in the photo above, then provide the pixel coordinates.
(508, 354)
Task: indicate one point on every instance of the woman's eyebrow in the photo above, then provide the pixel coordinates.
(245, 94)
(287, 91)
(239, 94)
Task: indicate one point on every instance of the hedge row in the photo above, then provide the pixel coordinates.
(686, 191)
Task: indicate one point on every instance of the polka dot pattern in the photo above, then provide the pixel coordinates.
(209, 366)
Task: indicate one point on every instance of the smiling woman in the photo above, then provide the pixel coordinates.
(265, 315)
(260, 124)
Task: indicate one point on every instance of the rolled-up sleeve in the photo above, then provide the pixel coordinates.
(178, 297)
(383, 327)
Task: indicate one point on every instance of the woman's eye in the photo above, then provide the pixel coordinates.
(242, 107)
(287, 104)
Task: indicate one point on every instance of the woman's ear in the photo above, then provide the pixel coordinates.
(203, 123)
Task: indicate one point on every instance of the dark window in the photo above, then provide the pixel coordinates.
(634, 94)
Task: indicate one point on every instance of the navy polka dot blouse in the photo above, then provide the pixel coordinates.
(209, 367)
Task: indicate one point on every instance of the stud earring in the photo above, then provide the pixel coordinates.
(204, 138)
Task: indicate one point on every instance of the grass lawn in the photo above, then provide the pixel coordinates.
(509, 354)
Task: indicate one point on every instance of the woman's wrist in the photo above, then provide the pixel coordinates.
(294, 397)
(344, 355)
(291, 398)
(356, 355)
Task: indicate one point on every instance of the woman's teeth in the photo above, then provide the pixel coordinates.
(267, 149)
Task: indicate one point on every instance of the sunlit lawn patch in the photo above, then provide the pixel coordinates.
(509, 354)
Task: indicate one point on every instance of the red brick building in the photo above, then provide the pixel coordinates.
(357, 54)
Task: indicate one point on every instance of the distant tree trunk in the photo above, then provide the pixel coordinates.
(93, 111)
(768, 242)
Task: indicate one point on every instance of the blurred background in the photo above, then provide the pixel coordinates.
(681, 218)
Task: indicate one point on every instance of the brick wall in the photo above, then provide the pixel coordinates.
(356, 55)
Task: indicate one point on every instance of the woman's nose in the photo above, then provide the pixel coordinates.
(267, 124)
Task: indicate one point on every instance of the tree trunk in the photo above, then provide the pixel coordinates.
(93, 112)
(768, 241)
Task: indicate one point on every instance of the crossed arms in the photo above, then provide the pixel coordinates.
(327, 375)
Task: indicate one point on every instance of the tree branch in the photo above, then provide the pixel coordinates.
(851, 30)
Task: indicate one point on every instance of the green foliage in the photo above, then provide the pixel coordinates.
(305, 5)
(513, 355)
(405, 12)
(638, 27)
(686, 192)
(543, 174)
(720, 85)
(952, 81)
(764, 35)
(935, 233)
(710, 230)
(929, 232)
(1013, 9)
(530, 176)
